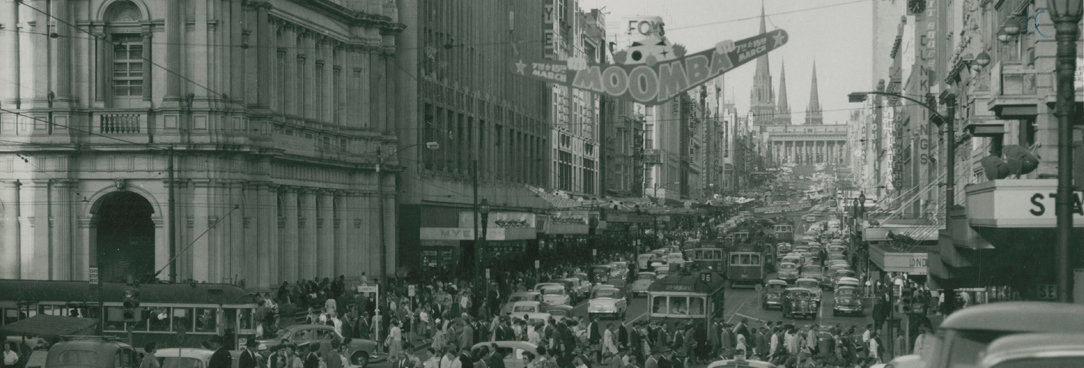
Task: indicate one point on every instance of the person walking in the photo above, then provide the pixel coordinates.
(395, 339)
(248, 356)
(149, 360)
(221, 357)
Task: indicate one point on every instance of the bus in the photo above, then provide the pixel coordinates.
(784, 233)
(707, 256)
(745, 267)
(202, 310)
(686, 296)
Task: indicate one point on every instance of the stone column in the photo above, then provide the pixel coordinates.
(9, 234)
(200, 254)
(264, 55)
(35, 64)
(289, 240)
(148, 69)
(242, 247)
(344, 222)
(269, 271)
(390, 235)
(62, 229)
(63, 52)
(84, 250)
(215, 258)
(290, 90)
(307, 243)
(364, 114)
(101, 74)
(174, 28)
(255, 259)
(372, 246)
(34, 236)
(309, 82)
(377, 91)
(197, 67)
(325, 237)
(9, 66)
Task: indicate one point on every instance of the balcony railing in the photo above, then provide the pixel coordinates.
(120, 123)
(1014, 91)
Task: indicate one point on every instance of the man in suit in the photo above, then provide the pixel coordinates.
(622, 336)
(221, 357)
(466, 337)
(311, 360)
(248, 356)
(594, 336)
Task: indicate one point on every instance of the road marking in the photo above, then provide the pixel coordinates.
(739, 308)
(749, 317)
(634, 319)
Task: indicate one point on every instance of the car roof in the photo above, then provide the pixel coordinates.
(776, 282)
(1007, 316)
(799, 289)
(201, 354)
(806, 279)
(526, 302)
(1029, 345)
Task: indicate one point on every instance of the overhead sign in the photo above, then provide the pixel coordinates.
(910, 263)
(466, 233)
(652, 83)
(1021, 203)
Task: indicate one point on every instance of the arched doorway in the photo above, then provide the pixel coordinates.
(125, 239)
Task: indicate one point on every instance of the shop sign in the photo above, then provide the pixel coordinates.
(499, 220)
(1048, 291)
(1021, 203)
(910, 263)
(467, 233)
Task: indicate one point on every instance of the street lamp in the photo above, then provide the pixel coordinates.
(380, 203)
(1066, 14)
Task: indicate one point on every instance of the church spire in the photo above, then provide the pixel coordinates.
(813, 111)
(782, 110)
(762, 97)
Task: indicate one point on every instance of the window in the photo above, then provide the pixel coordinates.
(696, 306)
(127, 65)
(659, 305)
(207, 320)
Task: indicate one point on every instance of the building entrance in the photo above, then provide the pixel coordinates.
(125, 239)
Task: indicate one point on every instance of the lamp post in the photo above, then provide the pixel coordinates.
(1066, 14)
(480, 241)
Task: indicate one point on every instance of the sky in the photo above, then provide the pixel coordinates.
(835, 33)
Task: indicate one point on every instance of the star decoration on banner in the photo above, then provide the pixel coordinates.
(519, 66)
(778, 39)
(430, 52)
(442, 64)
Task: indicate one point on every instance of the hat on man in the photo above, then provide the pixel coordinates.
(252, 343)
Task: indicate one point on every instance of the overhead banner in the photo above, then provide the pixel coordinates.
(653, 82)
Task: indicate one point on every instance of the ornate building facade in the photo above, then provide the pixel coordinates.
(267, 115)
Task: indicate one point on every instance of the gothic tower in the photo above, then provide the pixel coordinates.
(762, 98)
(782, 110)
(813, 111)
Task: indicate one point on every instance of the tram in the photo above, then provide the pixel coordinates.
(202, 310)
(784, 233)
(687, 295)
(707, 255)
(745, 267)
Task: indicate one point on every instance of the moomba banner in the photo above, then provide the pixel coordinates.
(652, 79)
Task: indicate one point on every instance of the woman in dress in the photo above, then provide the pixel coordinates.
(608, 345)
(395, 339)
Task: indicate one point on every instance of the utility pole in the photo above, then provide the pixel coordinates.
(474, 205)
(949, 99)
(380, 208)
(172, 223)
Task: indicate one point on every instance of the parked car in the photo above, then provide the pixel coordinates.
(190, 357)
(643, 281)
(1035, 350)
(969, 331)
(788, 271)
(813, 285)
(798, 302)
(847, 300)
(772, 295)
(359, 351)
(520, 296)
(511, 351)
(607, 301)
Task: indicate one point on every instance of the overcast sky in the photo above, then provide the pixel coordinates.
(834, 32)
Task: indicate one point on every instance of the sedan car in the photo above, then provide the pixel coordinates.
(520, 296)
(798, 302)
(607, 301)
(847, 301)
(772, 295)
(187, 357)
(511, 351)
(811, 284)
(526, 307)
(1035, 350)
(577, 290)
(643, 281)
(559, 312)
(359, 351)
(555, 295)
(788, 271)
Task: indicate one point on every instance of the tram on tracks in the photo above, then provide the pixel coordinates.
(707, 255)
(203, 311)
(687, 295)
(745, 267)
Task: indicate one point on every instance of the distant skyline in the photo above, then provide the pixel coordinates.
(834, 33)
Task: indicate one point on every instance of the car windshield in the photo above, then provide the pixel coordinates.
(807, 284)
(776, 287)
(799, 294)
(845, 292)
(967, 344)
(811, 269)
(176, 362)
(606, 293)
(646, 276)
(553, 291)
(787, 266)
(518, 298)
(524, 308)
(75, 357)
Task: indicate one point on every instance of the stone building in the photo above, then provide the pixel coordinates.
(272, 113)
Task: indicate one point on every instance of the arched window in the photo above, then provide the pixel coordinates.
(125, 54)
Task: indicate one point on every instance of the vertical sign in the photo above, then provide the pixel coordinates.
(547, 29)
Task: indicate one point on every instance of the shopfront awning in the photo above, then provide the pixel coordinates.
(43, 325)
(493, 234)
(890, 260)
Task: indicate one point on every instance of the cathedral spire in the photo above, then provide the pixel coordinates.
(782, 110)
(762, 97)
(813, 111)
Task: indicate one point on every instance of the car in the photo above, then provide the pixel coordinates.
(837, 248)
(643, 281)
(811, 284)
(832, 257)
(607, 301)
(520, 296)
(772, 295)
(813, 271)
(88, 352)
(788, 271)
(601, 274)
(798, 302)
(538, 287)
(643, 261)
(189, 357)
(558, 312)
(526, 306)
(794, 258)
(576, 289)
(511, 351)
(847, 300)
(964, 334)
(1035, 350)
(359, 351)
(739, 362)
(675, 258)
(662, 271)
